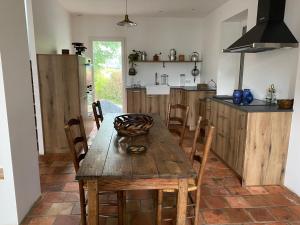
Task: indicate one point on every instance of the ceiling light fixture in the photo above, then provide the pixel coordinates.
(126, 22)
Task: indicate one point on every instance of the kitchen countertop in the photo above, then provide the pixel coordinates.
(253, 108)
(186, 88)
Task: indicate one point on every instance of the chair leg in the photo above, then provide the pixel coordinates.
(82, 204)
(121, 195)
(197, 208)
(159, 207)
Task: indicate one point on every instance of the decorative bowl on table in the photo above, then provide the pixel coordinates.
(133, 124)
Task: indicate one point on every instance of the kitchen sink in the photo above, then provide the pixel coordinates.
(158, 90)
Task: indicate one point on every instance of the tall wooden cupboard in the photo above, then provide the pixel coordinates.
(63, 93)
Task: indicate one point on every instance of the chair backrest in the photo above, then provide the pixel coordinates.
(206, 149)
(98, 115)
(182, 120)
(77, 141)
(196, 136)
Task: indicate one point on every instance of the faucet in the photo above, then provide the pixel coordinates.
(156, 79)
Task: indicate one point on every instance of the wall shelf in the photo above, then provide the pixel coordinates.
(168, 61)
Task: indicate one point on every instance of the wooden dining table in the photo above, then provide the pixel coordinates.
(108, 167)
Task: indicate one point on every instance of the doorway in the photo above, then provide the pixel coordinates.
(108, 74)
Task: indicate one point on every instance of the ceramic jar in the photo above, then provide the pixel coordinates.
(237, 97)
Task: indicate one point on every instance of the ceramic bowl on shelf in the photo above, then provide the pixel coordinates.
(285, 103)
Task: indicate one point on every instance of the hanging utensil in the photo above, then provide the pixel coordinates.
(195, 72)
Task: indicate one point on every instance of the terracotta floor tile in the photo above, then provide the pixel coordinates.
(141, 218)
(220, 191)
(237, 202)
(261, 215)
(216, 216)
(52, 187)
(284, 213)
(54, 197)
(40, 209)
(275, 189)
(71, 197)
(231, 182)
(295, 209)
(64, 170)
(71, 186)
(67, 220)
(133, 205)
(257, 190)
(237, 216)
(60, 209)
(292, 197)
(278, 200)
(42, 221)
(147, 205)
(238, 191)
(258, 200)
(215, 202)
(276, 223)
(76, 209)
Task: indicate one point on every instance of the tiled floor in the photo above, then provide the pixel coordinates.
(224, 201)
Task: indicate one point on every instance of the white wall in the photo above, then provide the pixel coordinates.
(263, 69)
(52, 26)
(152, 35)
(18, 147)
(229, 64)
(35, 77)
(292, 177)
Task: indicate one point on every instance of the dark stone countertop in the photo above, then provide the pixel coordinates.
(186, 88)
(258, 106)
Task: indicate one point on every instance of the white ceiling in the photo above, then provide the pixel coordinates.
(161, 8)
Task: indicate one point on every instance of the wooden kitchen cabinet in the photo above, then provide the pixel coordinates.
(136, 100)
(62, 81)
(253, 144)
(139, 102)
(157, 104)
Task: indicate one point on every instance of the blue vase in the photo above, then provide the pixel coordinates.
(237, 97)
(247, 97)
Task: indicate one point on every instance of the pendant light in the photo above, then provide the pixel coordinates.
(126, 22)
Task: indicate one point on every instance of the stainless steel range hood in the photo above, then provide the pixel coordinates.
(269, 33)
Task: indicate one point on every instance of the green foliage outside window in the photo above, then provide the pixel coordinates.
(107, 61)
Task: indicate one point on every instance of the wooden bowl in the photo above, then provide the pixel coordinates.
(285, 103)
(133, 124)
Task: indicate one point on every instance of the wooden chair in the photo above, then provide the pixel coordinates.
(98, 115)
(77, 141)
(176, 124)
(194, 185)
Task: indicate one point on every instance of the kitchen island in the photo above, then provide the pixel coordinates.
(252, 140)
(139, 102)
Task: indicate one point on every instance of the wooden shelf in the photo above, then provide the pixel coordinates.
(1, 174)
(168, 61)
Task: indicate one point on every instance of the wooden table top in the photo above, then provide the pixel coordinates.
(107, 157)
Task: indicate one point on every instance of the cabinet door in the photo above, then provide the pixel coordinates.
(223, 130)
(136, 101)
(213, 121)
(240, 142)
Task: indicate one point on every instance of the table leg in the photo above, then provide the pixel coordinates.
(93, 203)
(182, 201)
